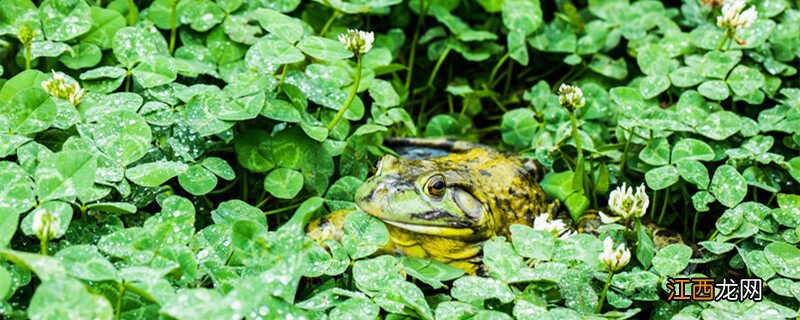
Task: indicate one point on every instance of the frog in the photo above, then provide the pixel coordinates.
(446, 208)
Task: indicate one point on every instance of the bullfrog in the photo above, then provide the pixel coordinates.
(445, 208)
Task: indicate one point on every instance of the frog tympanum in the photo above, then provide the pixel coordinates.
(446, 208)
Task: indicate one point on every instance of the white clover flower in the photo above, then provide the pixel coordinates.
(733, 18)
(61, 87)
(571, 97)
(556, 227)
(626, 205)
(45, 224)
(614, 260)
(357, 41)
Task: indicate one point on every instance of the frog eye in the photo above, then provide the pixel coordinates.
(435, 186)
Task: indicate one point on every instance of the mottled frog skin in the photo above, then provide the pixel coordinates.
(446, 208)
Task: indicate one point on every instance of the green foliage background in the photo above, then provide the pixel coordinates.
(183, 179)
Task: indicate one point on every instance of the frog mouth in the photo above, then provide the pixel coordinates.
(431, 229)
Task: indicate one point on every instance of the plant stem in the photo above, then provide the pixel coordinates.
(43, 246)
(283, 78)
(131, 13)
(497, 68)
(328, 23)
(413, 51)
(575, 134)
(605, 291)
(121, 286)
(653, 208)
(624, 157)
(266, 213)
(27, 57)
(724, 40)
(437, 66)
(663, 207)
(173, 25)
(352, 95)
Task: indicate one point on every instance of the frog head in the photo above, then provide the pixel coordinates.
(468, 196)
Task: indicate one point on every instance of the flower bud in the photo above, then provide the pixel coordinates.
(45, 224)
(626, 205)
(556, 227)
(733, 18)
(357, 41)
(61, 87)
(571, 97)
(25, 34)
(614, 260)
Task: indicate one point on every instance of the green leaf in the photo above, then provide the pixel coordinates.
(155, 71)
(219, 167)
(744, 80)
(476, 289)
(64, 19)
(201, 15)
(518, 127)
(113, 207)
(65, 174)
(653, 85)
(685, 77)
(604, 65)
(84, 55)
(123, 135)
(784, 259)
(355, 308)
(134, 44)
(384, 94)
(67, 298)
(728, 186)
(661, 177)
(523, 16)
(404, 298)
(430, 272)
(197, 180)
(757, 264)
(645, 248)
(720, 125)
(155, 173)
(672, 259)
(283, 183)
(48, 49)
(373, 275)
(363, 234)
(17, 195)
(228, 212)
(267, 54)
(716, 64)
(105, 24)
(324, 49)
(714, 90)
(531, 243)
(86, 263)
(694, 172)
(31, 110)
(286, 27)
(656, 152)
(692, 149)
(577, 295)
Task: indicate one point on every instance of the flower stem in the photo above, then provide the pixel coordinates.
(724, 40)
(663, 207)
(283, 78)
(328, 23)
(131, 13)
(605, 291)
(173, 23)
(27, 57)
(413, 51)
(575, 133)
(437, 66)
(497, 68)
(352, 95)
(121, 286)
(43, 246)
